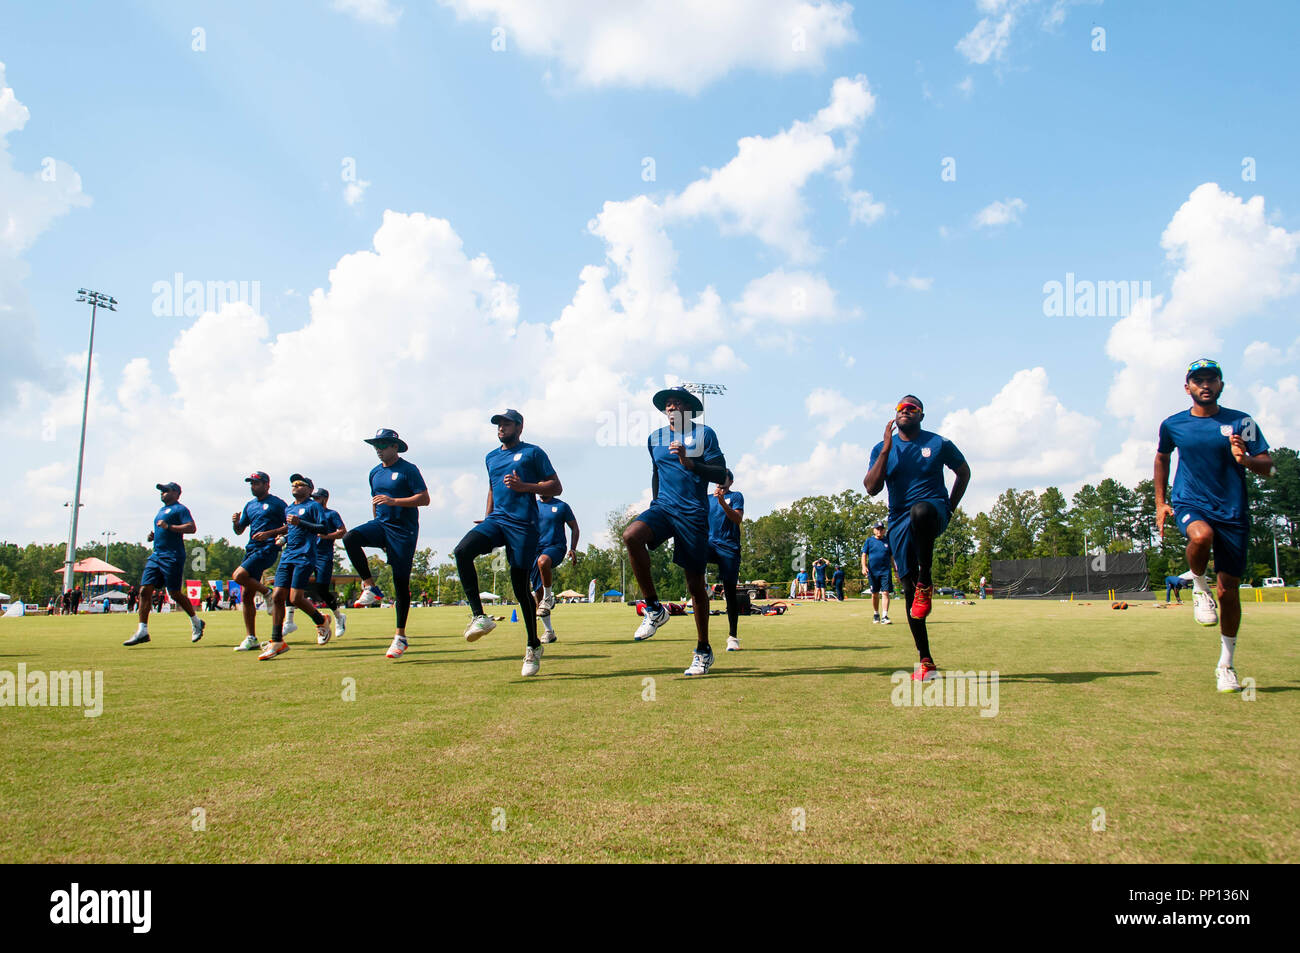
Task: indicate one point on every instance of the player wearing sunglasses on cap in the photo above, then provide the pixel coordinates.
(919, 507)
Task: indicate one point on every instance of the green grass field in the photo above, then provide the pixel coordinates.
(1096, 709)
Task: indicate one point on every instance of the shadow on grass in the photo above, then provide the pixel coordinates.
(1065, 678)
(1270, 689)
(513, 657)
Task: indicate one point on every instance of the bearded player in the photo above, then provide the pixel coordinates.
(919, 508)
(1216, 446)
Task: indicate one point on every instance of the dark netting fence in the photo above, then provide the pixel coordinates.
(1125, 573)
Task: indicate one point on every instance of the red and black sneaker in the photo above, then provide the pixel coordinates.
(927, 671)
(921, 602)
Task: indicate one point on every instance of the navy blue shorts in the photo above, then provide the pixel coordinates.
(880, 582)
(690, 537)
(727, 561)
(294, 575)
(900, 537)
(165, 574)
(520, 541)
(819, 582)
(1231, 540)
(557, 554)
(399, 547)
(258, 561)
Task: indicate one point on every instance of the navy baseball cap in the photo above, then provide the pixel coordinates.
(174, 487)
(320, 493)
(880, 524)
(257, 476)
(692, 402)
(1204, 364)
(384, 435)
(299, 478)
(513, 416)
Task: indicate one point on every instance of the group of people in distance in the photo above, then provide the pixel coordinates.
(524, 515)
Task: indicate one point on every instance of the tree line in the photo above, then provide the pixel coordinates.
(1021, 524)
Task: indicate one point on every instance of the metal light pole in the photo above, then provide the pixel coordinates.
(1277, 571)
(701, 389)
(106, 534)
(96, 301)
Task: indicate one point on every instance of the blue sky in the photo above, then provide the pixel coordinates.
(506, 173)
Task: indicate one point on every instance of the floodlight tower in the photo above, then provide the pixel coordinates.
(701, 390)
(96, 301)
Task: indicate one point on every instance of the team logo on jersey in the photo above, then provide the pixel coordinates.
(728, 499)
(925, 451)
(688, 439)
(394, 477)
(555, 509)
(518, 457)
(1226, 430)
(266, 506)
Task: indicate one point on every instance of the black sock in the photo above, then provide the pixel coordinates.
(277, 633)
(733, 607)
(919, 634)
(519, 578)
(403, 586)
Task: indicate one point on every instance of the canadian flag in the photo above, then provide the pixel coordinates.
(194, 589)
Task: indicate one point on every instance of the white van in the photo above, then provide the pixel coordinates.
(1274, 582)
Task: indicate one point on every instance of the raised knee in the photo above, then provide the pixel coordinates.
(924, 511)
(1200, 534)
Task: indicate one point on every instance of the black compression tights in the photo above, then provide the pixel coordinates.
(925, 529)
(733, 606)
(477, 544)
(326, 595)
(401, 583)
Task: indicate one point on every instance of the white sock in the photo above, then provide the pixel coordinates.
(1198, 583)
(546, 592)
(1229, 647)
(546, 621)
(143, 627)
(289, 615)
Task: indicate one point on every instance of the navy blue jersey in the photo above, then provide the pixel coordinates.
(879, 558)
(681, 490)
(914, 472)
(531, 464)
(819, 576)
(723, 533)
(300, 543)
(325, 547)
(1208, 479)
(552, 518)
(166, 544)
(837, 577)
(259, 516)
(400, 481)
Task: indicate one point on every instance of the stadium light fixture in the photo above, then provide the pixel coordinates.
(701, 390)
(96, 301)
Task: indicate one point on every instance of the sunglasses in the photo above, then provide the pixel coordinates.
(1204, 365)
(907, 405)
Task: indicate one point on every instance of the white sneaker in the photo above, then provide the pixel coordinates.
(1227, 679)
(532, 661)
(267, 607)
(650, 623)
(885, 620)
(196, 629)
(875, 619)
(370, 596)
(323, 633)
(701, 662)
(547, 637)
(250, 644)
(289, 629)
(479, 626)
(340, 624)
(1204, 609)
(546, 605)
(397, 649)
(733, 644)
